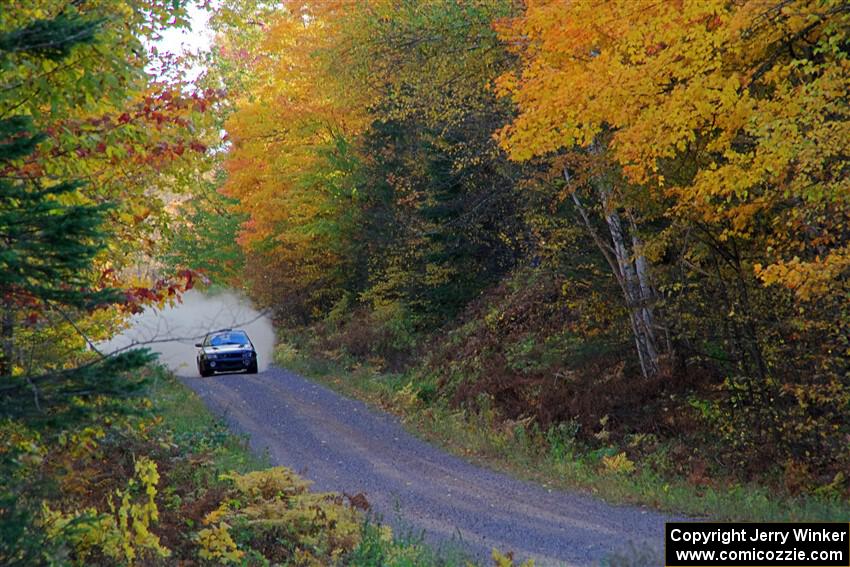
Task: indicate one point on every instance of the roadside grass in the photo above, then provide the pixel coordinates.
(555, 463)
(197, 429)
(408, 549)
(194, 429)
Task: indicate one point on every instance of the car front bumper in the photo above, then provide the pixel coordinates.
(227, 364)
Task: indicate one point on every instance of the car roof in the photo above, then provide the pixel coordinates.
(222, 331)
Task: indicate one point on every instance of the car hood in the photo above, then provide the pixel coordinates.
(226, 348)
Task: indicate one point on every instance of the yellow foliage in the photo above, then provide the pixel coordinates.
(406, 398)
(506, 560)
(217, 545)
(807, 279)
(276, 483)
(618, 464)
(319, 526)
(216, 515)
(123, 533)
(288, 114)
(752, 93)
(83, 442)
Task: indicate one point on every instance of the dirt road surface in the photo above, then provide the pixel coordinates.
(345, 446)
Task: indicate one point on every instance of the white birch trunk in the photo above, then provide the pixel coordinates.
(632, 272)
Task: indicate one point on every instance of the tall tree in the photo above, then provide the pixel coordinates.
(47, 245)
(386, 184)
(713, 110)
(727, 123)
(55, 220)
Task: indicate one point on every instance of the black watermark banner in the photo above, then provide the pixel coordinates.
(695, 544)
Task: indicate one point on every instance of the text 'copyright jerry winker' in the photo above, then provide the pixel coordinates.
(695, 544)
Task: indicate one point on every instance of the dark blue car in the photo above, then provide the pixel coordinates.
(227, 350)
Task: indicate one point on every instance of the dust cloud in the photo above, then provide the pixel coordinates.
(173, 331)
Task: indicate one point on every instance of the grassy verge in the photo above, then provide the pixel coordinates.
(556, 462)
(194, 428)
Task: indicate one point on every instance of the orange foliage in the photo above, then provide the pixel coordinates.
(286, 116)
(753, 95)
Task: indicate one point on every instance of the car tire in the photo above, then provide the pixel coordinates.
(204, 373)
(252, 368)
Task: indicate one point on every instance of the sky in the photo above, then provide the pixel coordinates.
(183, 41)
(198, 38)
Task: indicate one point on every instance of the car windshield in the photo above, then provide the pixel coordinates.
(229, 338)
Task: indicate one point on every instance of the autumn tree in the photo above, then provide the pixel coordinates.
(386, 187)
(204, 239)
(86, 137)
(728, 124)
(47, 245)
(423, 70)
(89, 139)
(104, 119)
(108, 124)
(284, 110)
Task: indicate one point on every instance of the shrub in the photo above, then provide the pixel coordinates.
(618, 464)
(272, 512)
(124, 533)
(285, 353)
(385, 334)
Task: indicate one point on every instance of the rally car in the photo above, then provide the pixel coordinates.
(226, 350)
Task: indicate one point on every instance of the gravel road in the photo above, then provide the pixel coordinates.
(345, 446)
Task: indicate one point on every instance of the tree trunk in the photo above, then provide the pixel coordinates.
(7, 328)
(631, 270)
